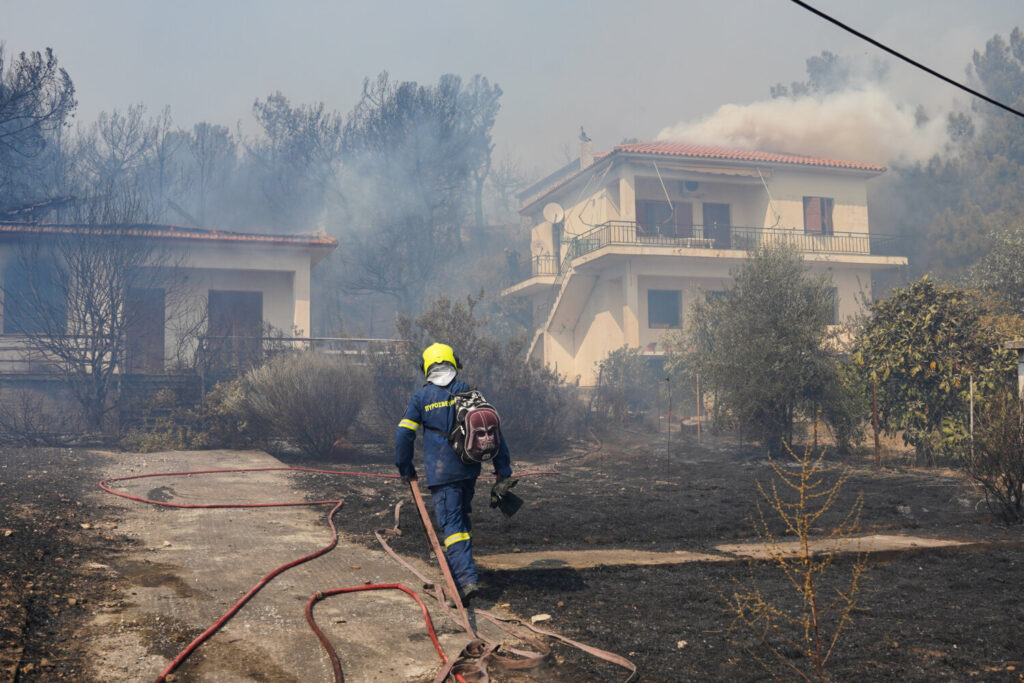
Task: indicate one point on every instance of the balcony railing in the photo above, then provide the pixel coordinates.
(628, 233)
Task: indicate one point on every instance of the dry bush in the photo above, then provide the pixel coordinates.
(170, 424)
(626, 385)
(34, 418)
(995, 460)
(538, 409)
(395, 373)
(307, 400)
(798, 640)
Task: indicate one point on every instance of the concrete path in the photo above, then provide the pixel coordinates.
(191, 565)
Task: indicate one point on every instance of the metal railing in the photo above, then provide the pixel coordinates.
(543, 265)
(629, 233)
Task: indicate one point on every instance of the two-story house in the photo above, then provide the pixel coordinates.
(623, 242)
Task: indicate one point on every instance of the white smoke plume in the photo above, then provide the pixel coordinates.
(863, 125)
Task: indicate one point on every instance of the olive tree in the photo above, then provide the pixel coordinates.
(761, 347)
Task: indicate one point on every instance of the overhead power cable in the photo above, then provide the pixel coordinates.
(907, 59)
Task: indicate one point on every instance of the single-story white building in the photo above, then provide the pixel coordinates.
(230, 285)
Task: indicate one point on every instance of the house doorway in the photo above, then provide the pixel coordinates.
(717, 224)
(145, 311)
(661, 219)
(235, 328)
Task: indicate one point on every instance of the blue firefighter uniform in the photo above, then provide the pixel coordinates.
(451, 481)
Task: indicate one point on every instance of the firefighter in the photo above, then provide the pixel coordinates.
(451, 481)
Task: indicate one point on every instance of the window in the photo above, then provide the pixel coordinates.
(664, 308)
(818, 215)
(34, 302)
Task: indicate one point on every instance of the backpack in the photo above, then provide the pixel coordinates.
(476, 436)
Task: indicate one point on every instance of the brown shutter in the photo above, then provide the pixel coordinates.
(812, 215)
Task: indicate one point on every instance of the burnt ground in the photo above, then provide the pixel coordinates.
(53, 548)
(922, 616)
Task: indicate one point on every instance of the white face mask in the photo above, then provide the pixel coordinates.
(441, 375)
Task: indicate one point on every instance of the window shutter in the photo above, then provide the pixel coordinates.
(812, 215)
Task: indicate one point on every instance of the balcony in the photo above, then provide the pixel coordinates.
(631, 234)
(546, 270)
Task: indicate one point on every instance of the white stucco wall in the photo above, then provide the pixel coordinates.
(281, 273)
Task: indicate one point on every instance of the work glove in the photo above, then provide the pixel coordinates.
(409, 478)
(503, 499)
(500, 489)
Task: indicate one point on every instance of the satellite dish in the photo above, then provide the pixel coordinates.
(553, 213)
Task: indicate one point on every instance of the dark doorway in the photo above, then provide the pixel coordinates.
(657, 218)
(236, 328)
(144, 331)
(717, 224)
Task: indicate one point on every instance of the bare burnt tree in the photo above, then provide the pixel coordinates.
(295, 162)
(213, 154)
(36, 99)
(479, 104)
(73, 299)
(410, 155)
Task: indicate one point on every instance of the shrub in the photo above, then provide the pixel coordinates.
(307, 400)
(218, 422)
(626, 384)
(34, 418)
(798, 637)
(538, 409)
(995, 460)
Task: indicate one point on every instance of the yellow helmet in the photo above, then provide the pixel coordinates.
(439, 353)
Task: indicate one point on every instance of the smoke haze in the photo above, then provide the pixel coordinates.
(863, 125)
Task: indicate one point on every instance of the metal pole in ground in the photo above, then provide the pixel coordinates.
(668, 426)
(699, 402)
(874, 421)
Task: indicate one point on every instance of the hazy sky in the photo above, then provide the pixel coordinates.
(621, 69)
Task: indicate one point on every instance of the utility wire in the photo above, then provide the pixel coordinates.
(907, 59)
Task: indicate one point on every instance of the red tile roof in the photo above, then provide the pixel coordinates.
(170, 232)
(559, 178)
(681, 149)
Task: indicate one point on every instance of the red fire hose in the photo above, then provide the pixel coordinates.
(335, 663)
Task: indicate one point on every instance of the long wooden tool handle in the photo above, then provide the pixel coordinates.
(442, 560)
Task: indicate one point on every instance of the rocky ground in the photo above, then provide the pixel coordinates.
(921, 616)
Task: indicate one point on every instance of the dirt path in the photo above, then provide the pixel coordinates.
(728, 552)
(191, 565)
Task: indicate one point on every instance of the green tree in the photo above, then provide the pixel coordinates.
(1000, 270)
(761, 348)
(921, 345)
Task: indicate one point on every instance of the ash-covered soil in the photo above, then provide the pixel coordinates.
(922, 616)
(55, 546)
